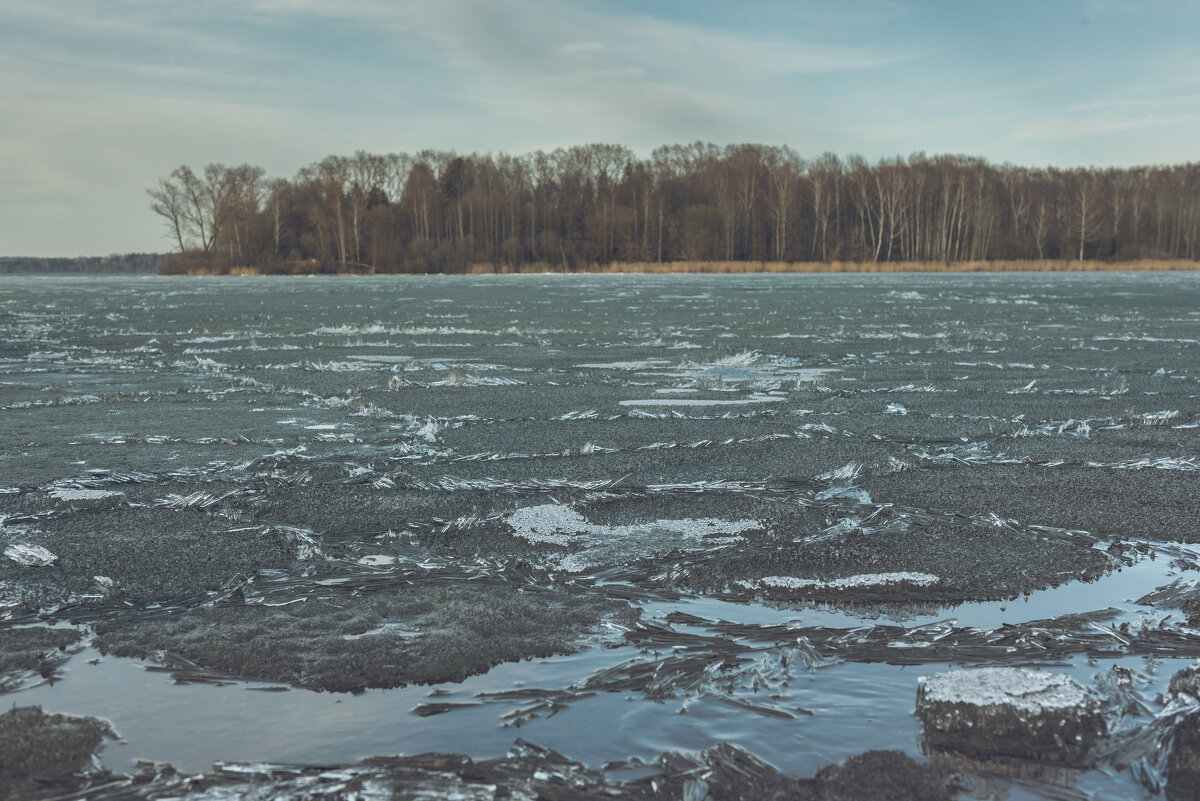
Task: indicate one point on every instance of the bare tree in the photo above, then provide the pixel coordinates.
(170, 203)
(598, 203)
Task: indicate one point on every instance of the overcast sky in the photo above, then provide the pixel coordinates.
(99, 98)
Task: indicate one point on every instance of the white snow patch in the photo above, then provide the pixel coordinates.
(756, 397)
(354, 329)
(382, 359)
(70, 494)
(377, 560)
(595, 545)
(746, 366)
(1033, 691)
(849, 582)
(206, 340)
(30, 555)
(642, 365)
(895, 408)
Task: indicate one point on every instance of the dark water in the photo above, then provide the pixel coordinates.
(142, 405)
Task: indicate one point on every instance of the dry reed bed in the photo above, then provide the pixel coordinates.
(743, 267)
(1047, 265)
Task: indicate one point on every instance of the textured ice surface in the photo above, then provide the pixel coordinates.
(30, 555)
(1032, 691)
(419, 460)
(595, 545)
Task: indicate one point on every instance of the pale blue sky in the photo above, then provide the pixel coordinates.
(98, 98)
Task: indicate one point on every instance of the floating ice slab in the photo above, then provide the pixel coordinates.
(1020, 688)
(1010, 712)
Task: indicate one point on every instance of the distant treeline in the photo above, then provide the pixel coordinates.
(115, 264)
(600, 205)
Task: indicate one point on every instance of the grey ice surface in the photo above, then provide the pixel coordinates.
(774, 502)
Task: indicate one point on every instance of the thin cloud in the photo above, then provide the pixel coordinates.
(168, 26)
(1089, 120)
(580, 48)
(102, 98)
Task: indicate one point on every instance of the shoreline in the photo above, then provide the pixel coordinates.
(731, 268)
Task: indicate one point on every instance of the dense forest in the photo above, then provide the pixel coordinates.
(83, 265)
(600, 204)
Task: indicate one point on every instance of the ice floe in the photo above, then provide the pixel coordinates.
(1028, 690)
(30, 555)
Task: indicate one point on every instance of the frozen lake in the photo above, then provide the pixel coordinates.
(612, 516)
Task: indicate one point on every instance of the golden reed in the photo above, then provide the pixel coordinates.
(1039, 266)
(737, 267)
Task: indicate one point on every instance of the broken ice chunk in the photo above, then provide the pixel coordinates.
(846, 473)
(856, 494)
(30, 555)
(1183, 765)
(1014, 712)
